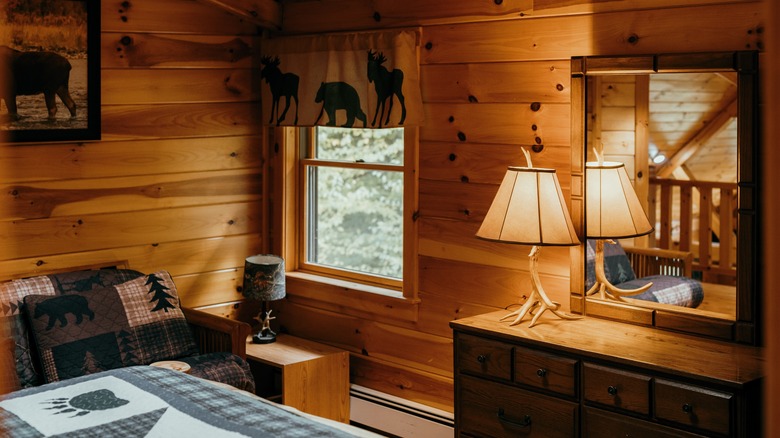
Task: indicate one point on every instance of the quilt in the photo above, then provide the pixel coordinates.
(145, 401)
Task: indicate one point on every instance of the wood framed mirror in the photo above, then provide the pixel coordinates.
(670, 118)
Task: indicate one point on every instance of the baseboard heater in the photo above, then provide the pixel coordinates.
(396, 417)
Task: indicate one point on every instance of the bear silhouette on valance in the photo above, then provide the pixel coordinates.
(341, 80)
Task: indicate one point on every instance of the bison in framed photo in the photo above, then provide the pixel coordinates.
(50, 71)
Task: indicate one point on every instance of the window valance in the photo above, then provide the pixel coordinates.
(369, 79)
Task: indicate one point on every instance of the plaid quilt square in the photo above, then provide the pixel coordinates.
(134, 323)
(12, 295)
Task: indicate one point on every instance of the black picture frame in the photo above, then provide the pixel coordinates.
(64, 128)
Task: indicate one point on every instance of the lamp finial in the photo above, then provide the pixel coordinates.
(599, 157)
(527, 157)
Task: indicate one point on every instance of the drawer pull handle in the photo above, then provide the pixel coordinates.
(688, 408)
(541, 372)
(481, 358)
(612, 390)
(504, 419)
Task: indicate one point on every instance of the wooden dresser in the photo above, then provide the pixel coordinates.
(599, 378)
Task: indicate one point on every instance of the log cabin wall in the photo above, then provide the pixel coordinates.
(495, 76)
(175, 183)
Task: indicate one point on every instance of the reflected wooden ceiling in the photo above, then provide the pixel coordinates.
(693, 123)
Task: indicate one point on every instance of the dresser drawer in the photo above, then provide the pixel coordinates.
(617, 388)
(491, 409)
(484, 357)
(693, 406)
(602, 424)
(547, 371)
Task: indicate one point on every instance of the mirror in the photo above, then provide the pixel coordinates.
(686, 128)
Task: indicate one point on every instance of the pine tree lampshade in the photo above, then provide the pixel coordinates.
(613, 211)
(529, 209)
(264, 281)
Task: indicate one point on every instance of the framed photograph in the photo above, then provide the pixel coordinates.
(50, 70)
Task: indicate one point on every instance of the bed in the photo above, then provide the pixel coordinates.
(146, 401)
(81, 368)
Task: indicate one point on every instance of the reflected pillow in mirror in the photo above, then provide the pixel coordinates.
(617, 267)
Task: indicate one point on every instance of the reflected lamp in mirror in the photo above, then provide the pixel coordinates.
(529, 209)
(613, 211)
(264, 281)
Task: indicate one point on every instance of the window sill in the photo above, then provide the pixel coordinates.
(350, 298)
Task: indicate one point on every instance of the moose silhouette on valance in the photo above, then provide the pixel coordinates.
(341, 80)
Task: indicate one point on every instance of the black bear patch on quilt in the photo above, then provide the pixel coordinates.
(134, 323)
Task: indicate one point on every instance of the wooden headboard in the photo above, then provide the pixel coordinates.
(42, 268)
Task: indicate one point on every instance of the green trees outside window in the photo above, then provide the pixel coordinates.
(354, 200)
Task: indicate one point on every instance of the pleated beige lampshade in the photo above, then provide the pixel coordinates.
(612, 208)
(529, 209)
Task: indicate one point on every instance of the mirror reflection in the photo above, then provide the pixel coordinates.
(676, 134)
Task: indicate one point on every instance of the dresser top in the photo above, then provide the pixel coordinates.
(634, 345)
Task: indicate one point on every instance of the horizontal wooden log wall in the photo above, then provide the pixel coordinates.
(175, 183)
(495, 77)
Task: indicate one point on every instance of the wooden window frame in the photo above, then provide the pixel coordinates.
(324, 288)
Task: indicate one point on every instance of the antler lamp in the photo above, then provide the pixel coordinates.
(613, 212)
(264, 281)
(529, 209)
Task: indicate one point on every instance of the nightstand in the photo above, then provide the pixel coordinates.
(306, 375)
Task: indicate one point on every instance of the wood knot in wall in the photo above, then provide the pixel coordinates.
(124, 6)
(756, 35)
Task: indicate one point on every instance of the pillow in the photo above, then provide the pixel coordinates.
(133, 323)
(12, 295)
(617, 267)
(680, 291)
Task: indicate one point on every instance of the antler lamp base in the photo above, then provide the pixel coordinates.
(538, 302)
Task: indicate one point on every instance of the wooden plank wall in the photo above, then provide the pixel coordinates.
(176, 181)
(495, 77)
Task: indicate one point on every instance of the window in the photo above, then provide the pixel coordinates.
(342, 214)
(352, 204)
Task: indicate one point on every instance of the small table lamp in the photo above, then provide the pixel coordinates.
(529, 209)
(613, 212)
(264, 281)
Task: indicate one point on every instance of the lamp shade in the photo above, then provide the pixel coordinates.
(264, 277)
(529, 209)
(613, 209)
